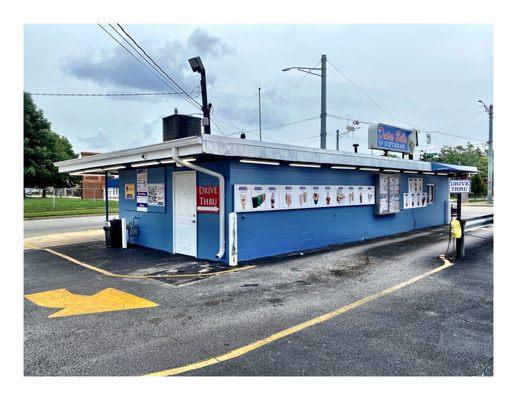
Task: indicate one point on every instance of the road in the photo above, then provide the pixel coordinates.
(471, 210)
(438, 324)
(45, 226)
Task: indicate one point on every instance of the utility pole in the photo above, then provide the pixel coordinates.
(490, 178)
(337, 139)
(260, 117)
(323, 114)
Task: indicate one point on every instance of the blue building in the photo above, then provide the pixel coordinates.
(235, 200)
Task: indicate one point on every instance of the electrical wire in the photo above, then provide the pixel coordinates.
(153, 66)
(103, 94)
(160, 68)
(136, 58)
(281, 125)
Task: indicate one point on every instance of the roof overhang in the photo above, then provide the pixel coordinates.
(224, 147)
(452, 168)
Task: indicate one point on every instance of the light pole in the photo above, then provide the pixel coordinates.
(323, 75)
(490, 178)
(197, 66)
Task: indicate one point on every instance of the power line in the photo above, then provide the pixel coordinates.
(160, 68)
(136, 58)
(161, 74)
(104, 94)
(267, 107)
(279, 125)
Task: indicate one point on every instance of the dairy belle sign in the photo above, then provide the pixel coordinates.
(459, 186)
(391, 138)
(208, 199)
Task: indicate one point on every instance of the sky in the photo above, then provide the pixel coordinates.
(425, 76)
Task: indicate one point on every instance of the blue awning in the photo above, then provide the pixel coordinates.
(441, 167)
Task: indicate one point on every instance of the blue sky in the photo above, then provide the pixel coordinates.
(428, 75)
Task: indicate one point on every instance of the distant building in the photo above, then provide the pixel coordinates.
(92, 186)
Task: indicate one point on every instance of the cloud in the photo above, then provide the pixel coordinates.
(116, 69)
(206, 44)
(99, 141)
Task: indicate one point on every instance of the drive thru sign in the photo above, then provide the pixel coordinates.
(208, 199)
(459, 186)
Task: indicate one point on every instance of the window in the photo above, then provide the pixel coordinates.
(430, 193)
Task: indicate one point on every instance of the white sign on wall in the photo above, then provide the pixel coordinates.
(459, 186)
(285, 197)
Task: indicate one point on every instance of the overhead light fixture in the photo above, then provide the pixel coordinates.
(369, 169)
(87, 171)
(391, 170)
(115, 167)
(145, 164)
(78, 173)
(428, 173)
(167, 161)
(247, 161)
(191, 159)
(305, 165)
(342, 167)
(410, 172)
(441, 173)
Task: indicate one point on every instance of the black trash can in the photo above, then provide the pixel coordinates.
(113, 232)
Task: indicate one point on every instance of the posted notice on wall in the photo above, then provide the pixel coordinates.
(141, 190)
(129, 191)
(156, 194)
(249, 198)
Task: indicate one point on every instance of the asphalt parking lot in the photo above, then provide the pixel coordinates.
(438, 324)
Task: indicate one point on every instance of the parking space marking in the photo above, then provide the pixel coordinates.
(297, 328)
(129, 276)
(106, 300)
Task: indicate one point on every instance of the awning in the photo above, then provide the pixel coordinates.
(441, 167)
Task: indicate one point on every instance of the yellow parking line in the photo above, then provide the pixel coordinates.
(297, 328)
(129, 276)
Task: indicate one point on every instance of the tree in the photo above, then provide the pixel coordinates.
(42, 148)
(464, 155)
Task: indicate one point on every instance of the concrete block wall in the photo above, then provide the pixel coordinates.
(262, 234)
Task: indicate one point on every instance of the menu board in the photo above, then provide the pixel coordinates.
(388, 194)
(248, 198)
(416, 197)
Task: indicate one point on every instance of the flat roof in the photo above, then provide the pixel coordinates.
(223, 146)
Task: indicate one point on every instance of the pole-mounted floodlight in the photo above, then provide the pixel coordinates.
(197, 66)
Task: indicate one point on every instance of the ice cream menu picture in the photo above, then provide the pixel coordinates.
(415, 197)
(248, 198)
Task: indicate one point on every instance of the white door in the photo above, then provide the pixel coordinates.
(184, 214)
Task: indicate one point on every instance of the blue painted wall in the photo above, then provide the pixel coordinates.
(155, 226)
(262, 234)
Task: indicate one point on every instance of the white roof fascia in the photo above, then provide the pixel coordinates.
(232, 147)
(187, 146)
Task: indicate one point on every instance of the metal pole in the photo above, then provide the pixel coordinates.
(260, 118)
(460, 242)
(323, 116)
(490, 178)
(106, 194)
(204, 97)
(337, 139)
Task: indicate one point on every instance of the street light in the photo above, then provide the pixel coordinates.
(490, 178)
(197, 66)
(323, 75)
